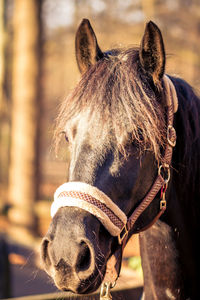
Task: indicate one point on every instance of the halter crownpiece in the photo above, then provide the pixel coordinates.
(170, 93)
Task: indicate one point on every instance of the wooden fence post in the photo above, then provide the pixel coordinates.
(23, 169)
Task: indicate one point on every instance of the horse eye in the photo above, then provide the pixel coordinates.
(65, 135)
(66, 138)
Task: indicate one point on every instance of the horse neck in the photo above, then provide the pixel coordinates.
(183, 213)
(185, 190)
(186, 157)
(157, 262)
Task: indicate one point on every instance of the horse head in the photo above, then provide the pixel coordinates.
(114, 121)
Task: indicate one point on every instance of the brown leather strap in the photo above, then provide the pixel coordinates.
(145, 202)
(160, 180)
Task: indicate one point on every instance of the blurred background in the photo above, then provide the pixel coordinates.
(37, 70)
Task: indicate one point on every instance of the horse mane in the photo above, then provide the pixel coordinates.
(187, 151)
(117, 93)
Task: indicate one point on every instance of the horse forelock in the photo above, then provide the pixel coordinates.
(117, 93)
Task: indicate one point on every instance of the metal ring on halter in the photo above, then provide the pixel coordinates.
(164, 167)
(171, 129)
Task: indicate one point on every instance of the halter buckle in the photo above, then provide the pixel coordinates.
(123, 234)
(163, 204)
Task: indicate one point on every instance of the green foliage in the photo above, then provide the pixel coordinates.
(135, 264)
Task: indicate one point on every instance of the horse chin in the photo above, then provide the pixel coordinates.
(93, 282)
(96, 280)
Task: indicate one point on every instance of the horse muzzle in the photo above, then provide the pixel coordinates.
(72, 252)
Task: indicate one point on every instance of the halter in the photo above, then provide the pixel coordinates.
(91, 199)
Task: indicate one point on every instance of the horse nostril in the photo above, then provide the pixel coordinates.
(84, 258)
(45, 253)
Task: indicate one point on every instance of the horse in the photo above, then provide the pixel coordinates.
(119, 126)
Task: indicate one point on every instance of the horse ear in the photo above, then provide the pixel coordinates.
(87, 49)
(152, 52)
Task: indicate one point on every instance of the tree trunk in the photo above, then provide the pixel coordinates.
(25, 115)
(4, 126)
(2, 43)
